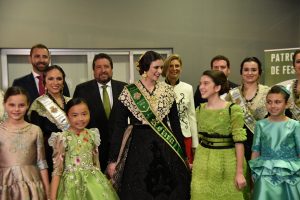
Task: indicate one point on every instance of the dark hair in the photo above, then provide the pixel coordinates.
(52, 67)
(294, 56)
(219, 57)
(102, 56)
(280, 89)
(16, 90)
(251, 59)
(143, 64)
(74, 102)
(218, 78)
(38, 46)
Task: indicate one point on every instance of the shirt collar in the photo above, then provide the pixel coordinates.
(35, 75)
(107, 84)
(168, 82)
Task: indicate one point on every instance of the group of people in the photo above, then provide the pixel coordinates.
(150, 139)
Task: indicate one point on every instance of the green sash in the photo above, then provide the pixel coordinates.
(158, 126)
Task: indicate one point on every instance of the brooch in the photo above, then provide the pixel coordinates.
(137, 96)
(53, 109)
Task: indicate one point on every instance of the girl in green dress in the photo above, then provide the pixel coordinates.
(76, 172)
(219, 165)
(275, 160)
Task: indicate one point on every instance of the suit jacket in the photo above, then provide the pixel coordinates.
(90, 92)
(197, 96)
(28, 83)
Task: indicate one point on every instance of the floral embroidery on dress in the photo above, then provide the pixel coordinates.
(42, 111)
(182, 110)
(160, 101)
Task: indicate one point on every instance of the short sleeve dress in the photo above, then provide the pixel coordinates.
(276, 171)
(75, 159)
(213, 172)
(22, 156)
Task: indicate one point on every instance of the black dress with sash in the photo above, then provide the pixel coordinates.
(39, 116)
(152, 169)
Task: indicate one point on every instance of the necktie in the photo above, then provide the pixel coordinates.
(106, 102)
(41, 85)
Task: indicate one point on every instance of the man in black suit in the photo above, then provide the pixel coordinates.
(219, 63)
(92, 92)
(39, 58)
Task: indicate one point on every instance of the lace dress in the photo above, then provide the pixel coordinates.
(276, 171)
(22, 156)
(75, 159)
(152, 169)
(213, 172)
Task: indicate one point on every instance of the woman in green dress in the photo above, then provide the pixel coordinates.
(219, 165)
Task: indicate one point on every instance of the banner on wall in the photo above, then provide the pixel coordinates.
(279, 65)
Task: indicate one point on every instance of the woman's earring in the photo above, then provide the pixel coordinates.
(144, 75)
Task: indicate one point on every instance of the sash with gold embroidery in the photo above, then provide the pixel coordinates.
(237, 98)
(56, 113)
(295, 110)
(159, 127)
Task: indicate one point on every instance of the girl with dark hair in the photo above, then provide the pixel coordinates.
(275, 156)
(219, 165)
(77, 172)
(47, 111)
(23, 166)
(152, 163)
(251, 96)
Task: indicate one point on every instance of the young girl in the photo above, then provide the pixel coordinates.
(23, 167)
(76, 172)
(275, 156)
(219, 164)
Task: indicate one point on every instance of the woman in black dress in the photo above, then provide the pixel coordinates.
(155, 166)
(47, 111)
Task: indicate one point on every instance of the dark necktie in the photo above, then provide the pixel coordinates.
(41, 85)
(106, 101)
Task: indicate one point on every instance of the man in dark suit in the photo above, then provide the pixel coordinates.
(33, 83)
(93, 92)
(219, 63)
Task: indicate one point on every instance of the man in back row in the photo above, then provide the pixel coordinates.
(33, 83)
(218, 63)
(101, 95)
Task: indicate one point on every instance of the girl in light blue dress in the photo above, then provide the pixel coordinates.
(275, 161)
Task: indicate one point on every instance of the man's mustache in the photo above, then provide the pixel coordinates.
(44, 63)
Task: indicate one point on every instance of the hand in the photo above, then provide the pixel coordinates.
(191, 166)
(111, 169)
(240, 181)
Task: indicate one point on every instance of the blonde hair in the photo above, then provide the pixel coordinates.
(168, 62)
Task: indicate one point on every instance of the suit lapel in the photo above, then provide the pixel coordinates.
(98, 101)
(32, 86)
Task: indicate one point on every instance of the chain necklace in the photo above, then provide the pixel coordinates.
(296, 95)
(249, 101)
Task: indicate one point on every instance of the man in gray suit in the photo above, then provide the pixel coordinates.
(92, 92)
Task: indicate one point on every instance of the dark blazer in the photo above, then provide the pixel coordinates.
(28, 83)
(197, 96)
(90, 92)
